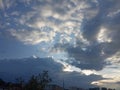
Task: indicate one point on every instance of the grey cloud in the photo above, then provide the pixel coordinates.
(78, 79)
(1, 4)
(90, 58)
(95, 54)
(117, 82)
(33, 36)
(38, 14)
(29, 66)
(6, 4)
(86, 18)
(84, 57)
(91, 26)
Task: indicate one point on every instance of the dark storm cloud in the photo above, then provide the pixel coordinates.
(29, 66)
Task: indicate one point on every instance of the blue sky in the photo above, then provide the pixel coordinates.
(82, 35)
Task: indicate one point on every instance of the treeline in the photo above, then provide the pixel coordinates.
(38, 82)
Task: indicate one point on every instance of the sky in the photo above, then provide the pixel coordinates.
(76, 39)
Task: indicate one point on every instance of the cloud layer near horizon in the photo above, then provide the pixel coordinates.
(26, 67)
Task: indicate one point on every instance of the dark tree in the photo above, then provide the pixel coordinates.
(32, 84)
(38, 82)
(43, 80)
(20, 81)
(2, 82)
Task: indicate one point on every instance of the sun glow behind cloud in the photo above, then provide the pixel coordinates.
(110, 73)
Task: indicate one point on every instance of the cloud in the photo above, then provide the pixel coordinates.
(6, 4)
(28, 66)
(104, 36)
(93, 26)
(109, 83)
(33, 36)
(78, 80)
(81, 19)
(87, 30)
(98, 37)
(110, 73)
(1, 4)
(115, 58)
(89, 59)
(62, 20)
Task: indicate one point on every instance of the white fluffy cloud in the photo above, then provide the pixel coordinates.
(104, 35)
(33, 36)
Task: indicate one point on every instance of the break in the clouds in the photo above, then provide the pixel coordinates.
(83, 33)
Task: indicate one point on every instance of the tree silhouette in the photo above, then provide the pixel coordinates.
(43, 80)
(20, 81)
(32, 84)
(38, 82)
(2, 82)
